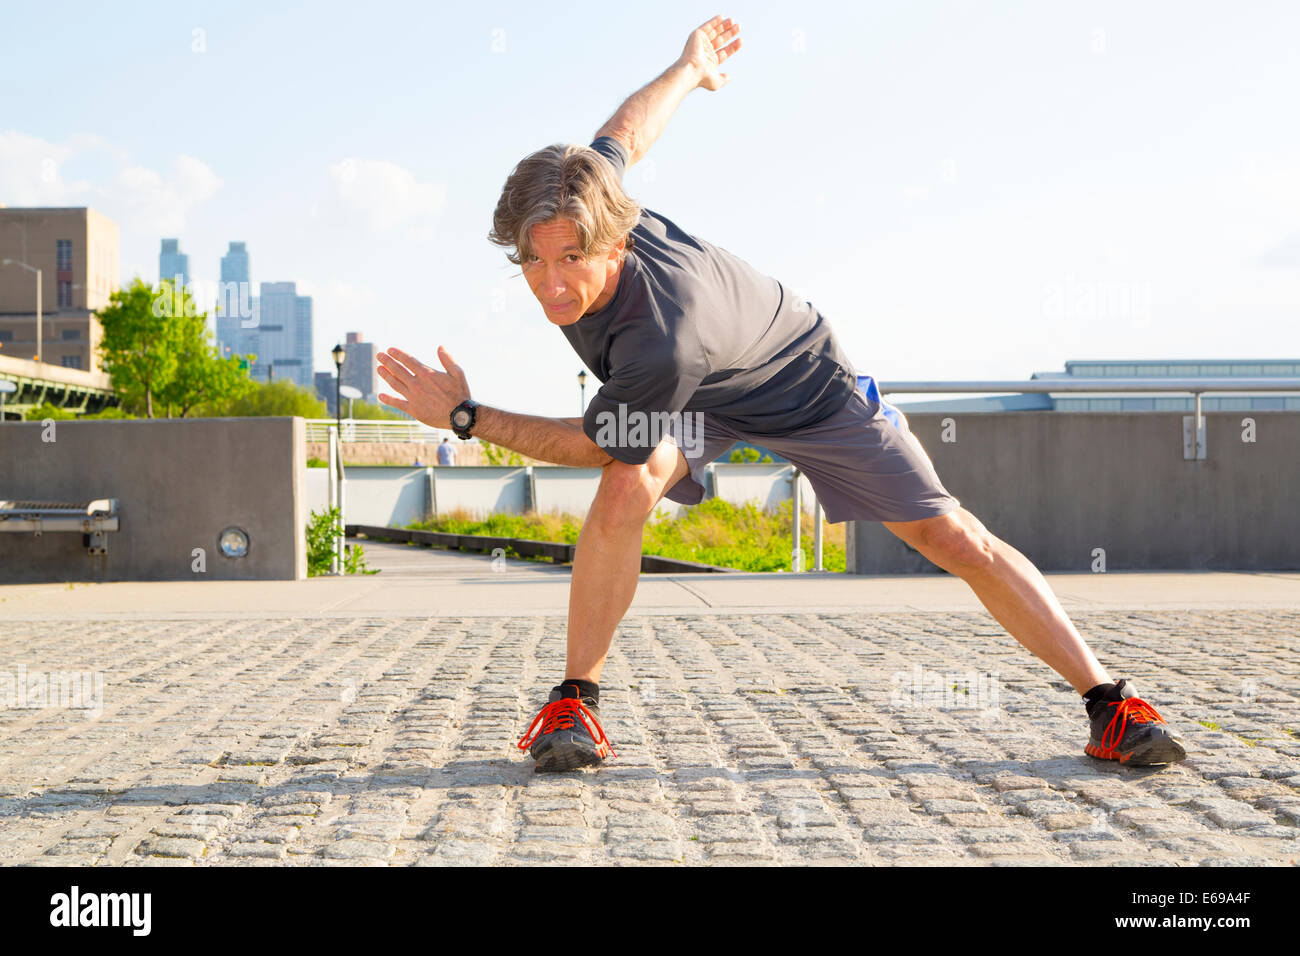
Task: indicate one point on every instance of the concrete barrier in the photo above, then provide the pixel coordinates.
(1071, 490)
(392, 496)
(179, 482)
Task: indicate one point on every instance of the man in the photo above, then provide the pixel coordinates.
(446, 452)
(684, 334)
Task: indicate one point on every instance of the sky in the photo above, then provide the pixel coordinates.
(965, 190)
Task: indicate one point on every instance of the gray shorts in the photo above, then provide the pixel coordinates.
(863, 462)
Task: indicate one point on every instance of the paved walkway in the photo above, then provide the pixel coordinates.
(766, 719)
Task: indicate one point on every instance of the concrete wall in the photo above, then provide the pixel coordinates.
(392, 497)
(1059, 485)
(769, 485)
(180, 483)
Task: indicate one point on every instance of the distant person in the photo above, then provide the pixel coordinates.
(671, 323)
(446, 452)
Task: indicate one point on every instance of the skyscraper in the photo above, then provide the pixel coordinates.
(234, 309)
(281, 336)
(359, 366)
(172, 263)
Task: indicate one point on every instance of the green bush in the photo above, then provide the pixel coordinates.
(46, 410)
(713, 532)
(322, 529)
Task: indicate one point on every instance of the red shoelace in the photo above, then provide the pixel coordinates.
(1130, 709)
(558, 715)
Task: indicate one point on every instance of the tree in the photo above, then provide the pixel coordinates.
(137, 350)
(281, 397)
(201, 376)
(367, 410)
(157, 351)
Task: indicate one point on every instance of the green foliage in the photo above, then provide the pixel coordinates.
(156, 350)
(368, 410)
(314, 462)
(321, 531)
(322, 528)
(534, 526)
(46, 410)
(496, 455)
(281, 397)
(712, 532)
(741, 455)
(112, 411)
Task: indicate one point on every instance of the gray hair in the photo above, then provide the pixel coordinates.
(564, 181)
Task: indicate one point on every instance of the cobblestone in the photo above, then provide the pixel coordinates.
(743, 739)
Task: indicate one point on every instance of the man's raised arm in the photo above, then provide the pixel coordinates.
(640, 120)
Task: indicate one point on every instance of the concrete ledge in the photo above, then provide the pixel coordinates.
(179, 484)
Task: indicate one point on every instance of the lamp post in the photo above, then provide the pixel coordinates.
(338, 352)
(582, 393)
(15, 262)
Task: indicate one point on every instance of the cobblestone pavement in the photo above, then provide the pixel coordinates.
(742, 739)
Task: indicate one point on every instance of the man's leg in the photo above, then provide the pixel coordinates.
(1008, 584)
(607, 563)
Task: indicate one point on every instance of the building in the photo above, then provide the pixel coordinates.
(359, 366)
(1119, 401)
(280, 335)
(325, 390)
(173, 265)
(76, 251)
(234, 306)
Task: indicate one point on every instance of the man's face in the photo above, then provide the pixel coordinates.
(566, 284)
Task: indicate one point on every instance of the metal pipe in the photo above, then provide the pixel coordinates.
(817, 535)
(1071, 384)
(334, 492)
(796, 553)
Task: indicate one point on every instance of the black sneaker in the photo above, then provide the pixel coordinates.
(566, 733)
(1128, 729)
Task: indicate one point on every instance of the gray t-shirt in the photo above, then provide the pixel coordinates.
(693, 328)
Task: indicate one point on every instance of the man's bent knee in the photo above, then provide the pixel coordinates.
(631, 492)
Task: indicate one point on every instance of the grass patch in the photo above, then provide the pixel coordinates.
(1209, 724)
(713, 532)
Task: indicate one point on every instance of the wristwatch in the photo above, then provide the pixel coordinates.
(463, 417)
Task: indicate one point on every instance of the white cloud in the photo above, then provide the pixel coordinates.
(383, 196)
(142, 200)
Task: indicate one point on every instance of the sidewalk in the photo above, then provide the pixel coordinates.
(758, 719)
(418, 582)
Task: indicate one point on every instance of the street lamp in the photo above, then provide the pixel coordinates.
(337, 352)
(351, 394)
(15, 262)
(582, 393)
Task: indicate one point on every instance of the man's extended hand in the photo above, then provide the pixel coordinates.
(708, 47)
(429, 395)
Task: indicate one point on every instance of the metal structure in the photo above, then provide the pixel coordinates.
(1193, 425)
(92, 519)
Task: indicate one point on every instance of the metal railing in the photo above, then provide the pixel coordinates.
(375, 430)
(1193, 425)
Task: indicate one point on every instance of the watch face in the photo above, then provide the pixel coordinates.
(460, 418)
